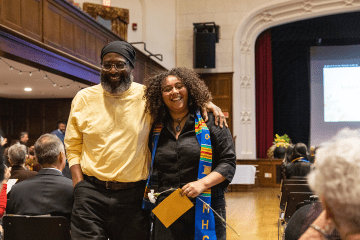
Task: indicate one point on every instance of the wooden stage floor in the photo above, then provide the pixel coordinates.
(253, 214)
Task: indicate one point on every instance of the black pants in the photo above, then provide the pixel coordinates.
(99, 213)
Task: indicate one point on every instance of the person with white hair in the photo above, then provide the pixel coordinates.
(336, 180)
(17, 156)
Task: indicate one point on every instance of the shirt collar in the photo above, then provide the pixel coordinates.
(53, 168)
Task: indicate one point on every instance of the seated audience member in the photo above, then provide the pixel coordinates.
(312, 154)
(286, 161)
(280, 152)
(49, 192)
(24, 138)
(335, 180)
(3, 194)
(31, 161)
(299, 165)
(302, 219)
(17, 157)
(6, 150)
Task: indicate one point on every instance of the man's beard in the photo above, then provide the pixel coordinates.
(116, 87)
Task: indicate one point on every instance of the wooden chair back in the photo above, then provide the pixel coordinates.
(19, 227)
(292, 181)
(293, 200)
(287, 188)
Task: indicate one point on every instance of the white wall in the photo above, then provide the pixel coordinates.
(226, 13)
(160, 29)
(155, 26)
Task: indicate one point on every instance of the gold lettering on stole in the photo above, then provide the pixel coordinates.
(206, 237)
(207, 224)
(206, 208)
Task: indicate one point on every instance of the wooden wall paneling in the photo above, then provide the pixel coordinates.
(100, 43)
(139, 71)
(67, 34)
(266, 173)
(35, 116)
(64, 106)
(147, 69)
(32, 18)
(51, 109)
(153, 69)
(52, 35)
(5, 115)
(79, 41)
(91, 47)
(11, 14)
(35, 120)
(266, 170)
(18, 118)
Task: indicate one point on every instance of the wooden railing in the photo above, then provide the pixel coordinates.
(66, 30)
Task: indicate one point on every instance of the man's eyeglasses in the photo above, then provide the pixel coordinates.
(118, 66)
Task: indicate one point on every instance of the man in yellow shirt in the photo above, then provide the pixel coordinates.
(107, 146)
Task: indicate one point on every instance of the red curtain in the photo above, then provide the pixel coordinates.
(264, 94)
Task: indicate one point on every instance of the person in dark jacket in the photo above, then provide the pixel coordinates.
(49, 192)
(299, 164)
(199, 158)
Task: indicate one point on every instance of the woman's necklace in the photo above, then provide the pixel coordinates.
(178, 121)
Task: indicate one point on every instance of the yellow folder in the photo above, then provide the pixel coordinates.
(173, 207)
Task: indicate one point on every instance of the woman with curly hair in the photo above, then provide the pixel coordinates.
(199, 158)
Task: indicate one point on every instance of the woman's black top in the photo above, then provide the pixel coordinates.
(177, 160)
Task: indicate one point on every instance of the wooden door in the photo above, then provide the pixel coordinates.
(220, 86)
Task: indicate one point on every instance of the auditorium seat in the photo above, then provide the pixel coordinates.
(292, 203)
(287, 188)
(292, 181)
(19, 227)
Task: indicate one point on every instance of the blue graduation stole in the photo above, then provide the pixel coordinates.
(155, 139)
(204, 217)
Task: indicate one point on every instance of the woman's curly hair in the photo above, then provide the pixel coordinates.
(198, 92)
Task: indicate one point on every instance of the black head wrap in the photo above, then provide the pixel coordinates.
(123, 48)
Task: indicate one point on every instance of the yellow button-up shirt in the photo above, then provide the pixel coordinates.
(108, 134)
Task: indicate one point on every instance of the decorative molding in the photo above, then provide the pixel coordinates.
(349, 2)
(119, 17)
(308, 6)
(265, 16)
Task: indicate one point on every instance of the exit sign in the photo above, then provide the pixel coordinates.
(107, 3)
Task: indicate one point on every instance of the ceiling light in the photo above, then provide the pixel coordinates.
(27, 89)
(11, 68)
(30, 74)
(20, 72)
(54, 84)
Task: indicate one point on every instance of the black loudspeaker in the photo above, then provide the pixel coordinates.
(204, 49)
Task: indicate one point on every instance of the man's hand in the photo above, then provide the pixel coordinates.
(219, 115)
(3, 142)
